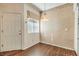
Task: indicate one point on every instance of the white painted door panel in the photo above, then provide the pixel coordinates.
(11, 36)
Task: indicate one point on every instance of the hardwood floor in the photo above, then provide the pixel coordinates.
(41, 50)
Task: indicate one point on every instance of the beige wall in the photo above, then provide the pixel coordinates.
(59, 29)
(12, 7)
(30, 39)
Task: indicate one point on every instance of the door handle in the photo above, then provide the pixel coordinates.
(20, 33)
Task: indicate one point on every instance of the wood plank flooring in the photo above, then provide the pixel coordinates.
(41, 50)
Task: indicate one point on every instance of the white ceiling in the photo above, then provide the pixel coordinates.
(47, 5)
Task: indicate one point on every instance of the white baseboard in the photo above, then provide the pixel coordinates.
(57, 45)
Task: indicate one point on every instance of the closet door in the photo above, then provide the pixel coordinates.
(11, 36)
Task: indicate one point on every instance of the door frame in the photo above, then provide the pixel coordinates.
(22, 27)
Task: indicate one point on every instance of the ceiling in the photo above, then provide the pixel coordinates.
(46, 6)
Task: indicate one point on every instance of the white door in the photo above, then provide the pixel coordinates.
(11, 32)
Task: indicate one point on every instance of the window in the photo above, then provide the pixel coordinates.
(33, 26)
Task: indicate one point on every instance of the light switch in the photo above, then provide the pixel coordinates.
(66, 29)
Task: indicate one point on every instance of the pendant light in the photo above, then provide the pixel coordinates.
(28, 15)
(44, 14)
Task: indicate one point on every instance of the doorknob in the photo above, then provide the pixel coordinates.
(20, 33)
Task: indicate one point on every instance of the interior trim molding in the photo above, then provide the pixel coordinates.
(58, 46)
